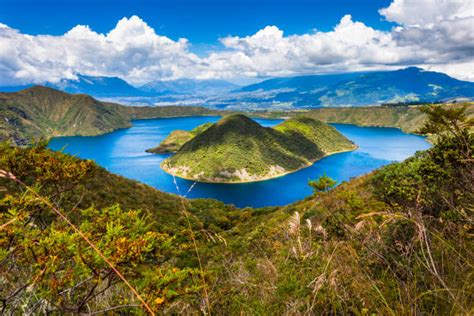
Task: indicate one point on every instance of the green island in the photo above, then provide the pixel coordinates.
(176, 139)
(237, 149)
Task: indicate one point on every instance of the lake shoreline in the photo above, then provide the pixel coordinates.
(123, 153)
(311, 163)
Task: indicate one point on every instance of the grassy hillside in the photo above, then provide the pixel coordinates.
(327, 138)
(394, 242)
(238, 149)
(44, 112)
(41, 112)
(176, 139)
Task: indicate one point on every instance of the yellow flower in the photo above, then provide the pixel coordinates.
(159, 300)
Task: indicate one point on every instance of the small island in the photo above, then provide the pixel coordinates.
(237, 149)
(176, 139)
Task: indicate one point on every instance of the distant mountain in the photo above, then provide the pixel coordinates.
(238, 149)
(358, 89)
(189, 87)
(300, 83)
(333, 90)
(98, 86)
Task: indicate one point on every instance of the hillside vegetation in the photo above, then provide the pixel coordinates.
(238, 149)
(408, 118)
(394, 242)
(41, 112)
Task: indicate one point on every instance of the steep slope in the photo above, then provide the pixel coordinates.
(237, 149)
(359, 89)
(45, 112)
(174, 141)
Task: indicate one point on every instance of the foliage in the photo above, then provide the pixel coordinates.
(322, 184)
(47, 267)
(439, 180)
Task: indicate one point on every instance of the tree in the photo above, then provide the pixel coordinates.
(441, 179)
(322, 184)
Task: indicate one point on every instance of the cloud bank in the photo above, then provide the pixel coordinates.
(433, 34)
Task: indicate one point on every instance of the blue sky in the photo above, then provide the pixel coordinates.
(202, 22)
(140, 41)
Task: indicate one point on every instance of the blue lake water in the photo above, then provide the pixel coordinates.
(123, 152)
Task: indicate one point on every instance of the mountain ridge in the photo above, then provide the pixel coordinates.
(43, 112)
(354, 89)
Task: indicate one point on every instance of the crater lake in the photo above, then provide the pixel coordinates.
(123, 152)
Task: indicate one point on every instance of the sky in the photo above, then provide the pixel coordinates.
(141, 41)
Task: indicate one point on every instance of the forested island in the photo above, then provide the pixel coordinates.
(237, 149)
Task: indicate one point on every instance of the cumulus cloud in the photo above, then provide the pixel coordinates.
(131, 50)
(427, 13)
(434, 34)
(349, 46)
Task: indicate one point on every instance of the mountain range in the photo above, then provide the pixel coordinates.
(98, 86)
(355, 89)
(189, 87)
(332, 90)
(106, 87)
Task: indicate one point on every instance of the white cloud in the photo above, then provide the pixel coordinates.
(349, 46)
(427, 13)
(131, 50)
(435, 34)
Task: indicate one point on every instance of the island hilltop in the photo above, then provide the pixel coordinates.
(237, 149)
(173, 142)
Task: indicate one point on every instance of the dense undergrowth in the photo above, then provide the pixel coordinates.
(397, 241)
